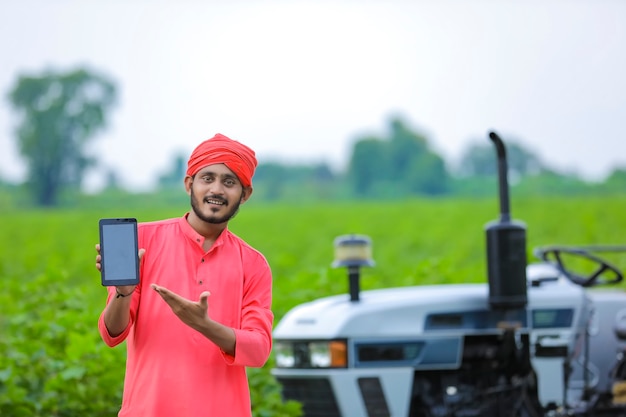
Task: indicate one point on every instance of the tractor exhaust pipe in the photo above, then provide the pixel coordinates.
(506, 246)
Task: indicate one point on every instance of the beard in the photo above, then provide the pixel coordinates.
(213, 218)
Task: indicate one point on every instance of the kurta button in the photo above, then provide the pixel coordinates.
(200, 282)
(202, 260)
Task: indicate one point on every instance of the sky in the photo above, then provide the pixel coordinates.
(301, 81)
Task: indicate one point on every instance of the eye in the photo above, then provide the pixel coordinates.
(229, 182)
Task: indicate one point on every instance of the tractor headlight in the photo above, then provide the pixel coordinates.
(311, 354)
(284, 355)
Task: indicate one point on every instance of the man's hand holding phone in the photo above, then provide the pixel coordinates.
(121, 290)
(119, 260)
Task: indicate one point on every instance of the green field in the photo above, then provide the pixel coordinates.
(53, 363)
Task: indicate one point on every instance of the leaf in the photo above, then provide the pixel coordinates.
(74, 372)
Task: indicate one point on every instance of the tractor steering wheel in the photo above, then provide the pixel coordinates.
(606, 273)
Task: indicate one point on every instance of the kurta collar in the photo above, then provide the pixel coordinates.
(196, 237)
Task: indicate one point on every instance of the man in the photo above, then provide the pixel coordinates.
(201, 312)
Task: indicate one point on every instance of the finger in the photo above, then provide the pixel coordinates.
(162, 293)
(204, 302)
(141, 253)
(98, 247)
(165, 293)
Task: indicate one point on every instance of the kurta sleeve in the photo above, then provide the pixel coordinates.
(104, 333)
(254, 337)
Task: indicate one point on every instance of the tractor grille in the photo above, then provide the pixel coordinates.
(373, 396)
(315, 395)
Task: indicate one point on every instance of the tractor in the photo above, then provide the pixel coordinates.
(538, 339)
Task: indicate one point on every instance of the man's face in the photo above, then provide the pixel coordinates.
(216, 193)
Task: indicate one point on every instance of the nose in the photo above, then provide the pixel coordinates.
(217, 188)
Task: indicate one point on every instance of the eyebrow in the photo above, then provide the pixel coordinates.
(224, 176)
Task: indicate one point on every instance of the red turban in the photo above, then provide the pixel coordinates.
(222, 150)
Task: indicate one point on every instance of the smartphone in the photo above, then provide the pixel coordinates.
(119, 252)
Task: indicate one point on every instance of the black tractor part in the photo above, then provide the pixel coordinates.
(506, 247)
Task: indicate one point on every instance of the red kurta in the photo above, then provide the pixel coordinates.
(171, 369)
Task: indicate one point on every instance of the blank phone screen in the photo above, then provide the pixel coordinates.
(119, 251)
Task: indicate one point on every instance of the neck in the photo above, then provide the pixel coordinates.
(210, 231)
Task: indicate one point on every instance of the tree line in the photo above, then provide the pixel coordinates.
(60, 112)
(401, 163)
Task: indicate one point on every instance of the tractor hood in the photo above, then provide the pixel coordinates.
(415, 310)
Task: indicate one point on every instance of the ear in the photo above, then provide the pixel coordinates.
(245, 194)
(188, 182)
